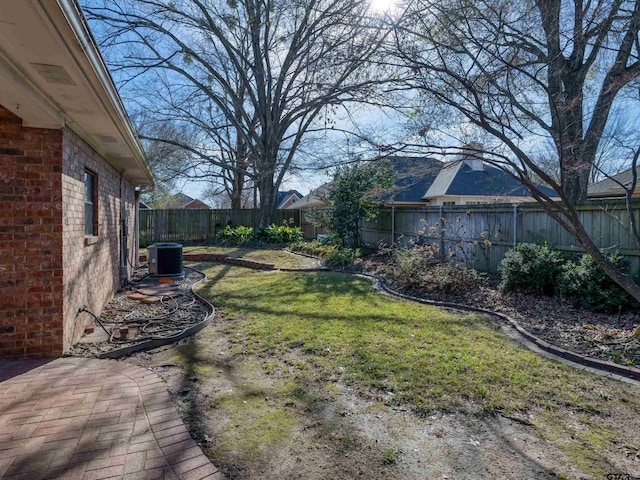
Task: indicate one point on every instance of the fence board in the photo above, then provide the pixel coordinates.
(198, 226)
(607, 221)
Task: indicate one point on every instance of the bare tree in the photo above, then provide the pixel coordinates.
(268, 68)
(520, 73)
(167, 161)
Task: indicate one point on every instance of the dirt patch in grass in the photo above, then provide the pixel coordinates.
(317, 376)
(257, 420)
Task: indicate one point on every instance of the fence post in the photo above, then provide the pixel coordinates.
(515, 226)
(443, 258)
(393, 224)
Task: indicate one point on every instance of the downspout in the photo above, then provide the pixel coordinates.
(124, 254)
(443, 257)
(136, 240)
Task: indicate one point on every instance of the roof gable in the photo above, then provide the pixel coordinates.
(459, 179)
(283, 197)
(314, 198)
(611, 186)
(179, 200)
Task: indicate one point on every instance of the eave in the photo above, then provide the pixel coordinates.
(52, 75)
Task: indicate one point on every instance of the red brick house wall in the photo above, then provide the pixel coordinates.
(48, 268)
(91, 265)
(31, 277)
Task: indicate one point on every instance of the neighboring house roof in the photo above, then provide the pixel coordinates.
(312, 199)
(181, 200)
(196, 204)
(615, 186)
(473, 178)
(143, 206)
(414, 176)
(420, 180)
(288, 198)
(52, 75)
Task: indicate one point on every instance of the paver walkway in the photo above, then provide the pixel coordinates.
(76, 418)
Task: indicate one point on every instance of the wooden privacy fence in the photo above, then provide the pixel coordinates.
(190, 226)
(484, 233)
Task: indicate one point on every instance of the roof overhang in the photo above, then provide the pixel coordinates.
(407, 204)
(613, 191)
(52, 75)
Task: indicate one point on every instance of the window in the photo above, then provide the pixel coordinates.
(448, 204)
(90, 204)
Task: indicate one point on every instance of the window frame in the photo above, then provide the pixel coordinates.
(90, 203)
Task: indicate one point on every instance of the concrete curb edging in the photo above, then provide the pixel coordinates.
(221, 258)
(319, 268)
(158, 342)
(623, 370)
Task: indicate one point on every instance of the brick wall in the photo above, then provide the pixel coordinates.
(48, 268)
(31, 278)
(91, 265)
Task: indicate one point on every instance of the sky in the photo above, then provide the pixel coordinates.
(373, 120)
(309, 180)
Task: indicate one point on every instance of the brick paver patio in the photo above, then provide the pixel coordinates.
(75, 418)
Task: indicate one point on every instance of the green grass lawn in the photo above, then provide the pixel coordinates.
(427, 357)
(311, 329)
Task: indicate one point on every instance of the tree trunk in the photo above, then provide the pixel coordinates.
(574, 173)
(236, 193)
(268, 197)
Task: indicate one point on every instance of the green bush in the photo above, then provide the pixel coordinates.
(272, 235)
(531, 268)
(590, 287)
(342, 257)
(240, 235)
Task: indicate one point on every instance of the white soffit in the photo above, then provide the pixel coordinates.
(51, 75)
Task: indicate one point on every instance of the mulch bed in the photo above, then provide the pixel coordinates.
(132, 321)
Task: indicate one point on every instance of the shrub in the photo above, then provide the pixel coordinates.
(590, 287)
(240, 235)
(314, 247)
(331, 252)
(406, 266)
(342, 257)
(417, 269)
(273, 235)
(452, 278)
(531, 268)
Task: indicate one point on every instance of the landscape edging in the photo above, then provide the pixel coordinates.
(610, 367)
(626, 371)
(158, 342)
